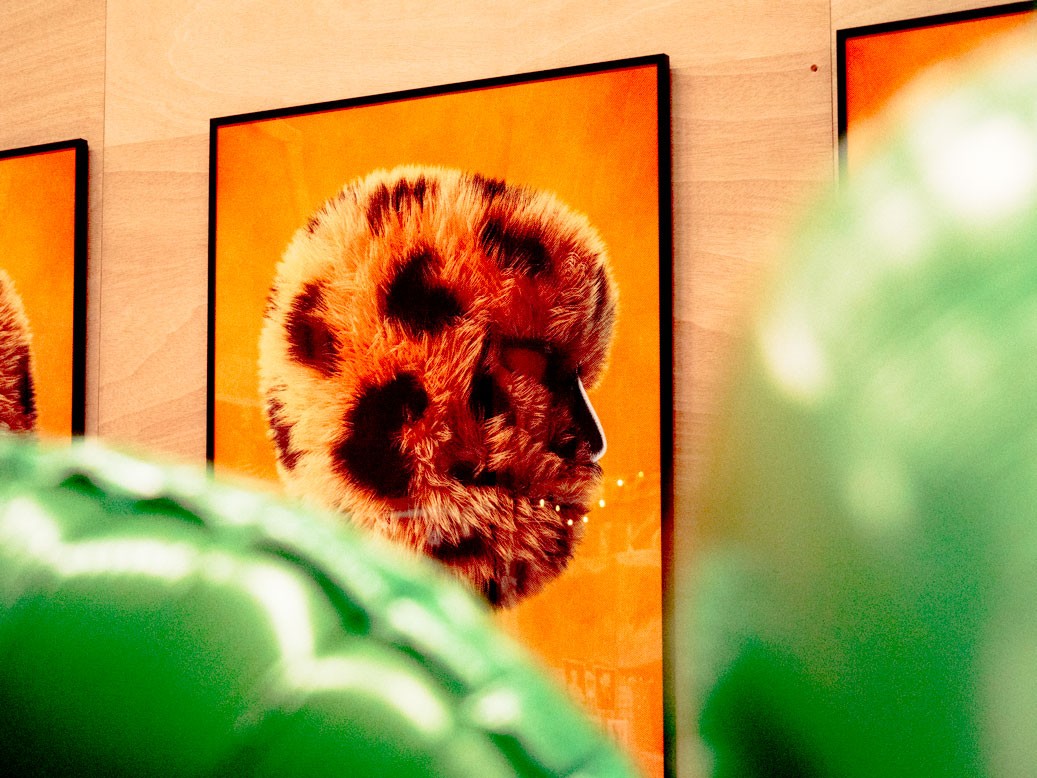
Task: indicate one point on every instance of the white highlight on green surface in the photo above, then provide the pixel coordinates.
(794, 358)
(285, 601)
(27, 527)
(878, 497)
(499, 709)
(982, 173)
(899, 226)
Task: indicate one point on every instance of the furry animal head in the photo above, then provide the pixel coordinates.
(17, 387)
(423, 362)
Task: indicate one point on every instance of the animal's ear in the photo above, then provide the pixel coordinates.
(17, 382)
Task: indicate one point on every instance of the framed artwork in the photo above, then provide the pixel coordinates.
(876, 61)
(446, 313)
(43, 198)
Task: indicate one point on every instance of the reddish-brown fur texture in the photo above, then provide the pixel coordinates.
(420, 361)
(17, 388)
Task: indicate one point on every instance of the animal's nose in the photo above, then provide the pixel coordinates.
(586, 420)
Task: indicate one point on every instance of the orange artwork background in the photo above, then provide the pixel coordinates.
(593, 140)
(879, 65)
(37, 249)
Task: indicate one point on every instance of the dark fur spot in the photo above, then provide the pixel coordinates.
(401, 194)
(558, 377)
(310, 340)
(563, 546)
(282, 433)
(481, 400)
(485, 478)
(417, 300)
(26, 389)
(520, 574)
(269, 304)
(372, 454)
(486, 398)
(377, 209)
(514, 249)
(468, 474)
(466, 548)
(511, 482)
(491, 591)
(565, 447)
(405, 192)
(418, 191)
(491, 188)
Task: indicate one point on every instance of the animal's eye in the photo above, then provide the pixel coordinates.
(526, 361)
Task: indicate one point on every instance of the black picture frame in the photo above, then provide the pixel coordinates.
(65, 319)
(658, 65)
(845, 36)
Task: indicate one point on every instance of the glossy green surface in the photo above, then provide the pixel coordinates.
(869, 566)
(155, 623)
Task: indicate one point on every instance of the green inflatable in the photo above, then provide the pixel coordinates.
(153, 623)
(866, 591)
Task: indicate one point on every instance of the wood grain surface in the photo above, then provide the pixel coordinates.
(856, 13)
(52, 89)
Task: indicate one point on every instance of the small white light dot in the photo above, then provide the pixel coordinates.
(586, 519)
(542, 503)
(601, 503)
(619, 482)
(569, 522)
(558, 509)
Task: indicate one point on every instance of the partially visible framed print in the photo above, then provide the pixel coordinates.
(876, 61)
(43, 199)
(446, 314)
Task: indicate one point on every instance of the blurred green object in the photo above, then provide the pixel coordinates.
(153, 623)
(867, 581)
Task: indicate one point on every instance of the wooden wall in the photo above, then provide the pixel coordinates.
(752, 136)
